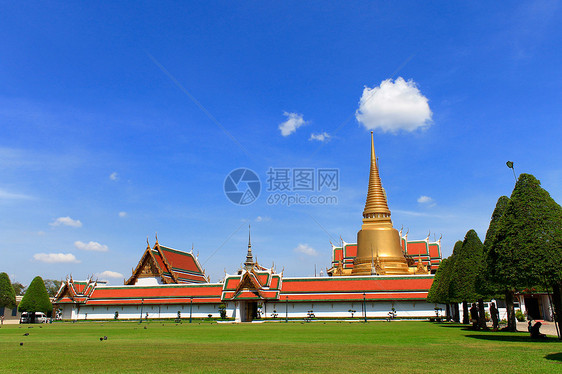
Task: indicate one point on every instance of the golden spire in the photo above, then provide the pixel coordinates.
(376, 205)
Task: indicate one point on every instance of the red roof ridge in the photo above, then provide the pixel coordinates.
(165, 260)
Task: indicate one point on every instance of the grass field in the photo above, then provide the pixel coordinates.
(328, 347)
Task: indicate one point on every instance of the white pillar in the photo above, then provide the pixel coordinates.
(237, 312)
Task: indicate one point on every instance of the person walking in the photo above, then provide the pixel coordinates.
(474, 316)
(495, 315)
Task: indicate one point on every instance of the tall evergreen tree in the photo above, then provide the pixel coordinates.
(36, 298)
(527, 248)
(440, 291)
(485, 285)
(7, 293)
(465, 271)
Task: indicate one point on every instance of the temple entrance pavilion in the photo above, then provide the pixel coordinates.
(248, 310)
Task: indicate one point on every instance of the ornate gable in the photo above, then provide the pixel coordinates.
(147, 267)
(250, 282)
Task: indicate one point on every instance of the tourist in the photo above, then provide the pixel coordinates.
(474, 316)
(535, 331)
(495, 315)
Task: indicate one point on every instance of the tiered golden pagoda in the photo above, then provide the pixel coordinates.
(378, 243)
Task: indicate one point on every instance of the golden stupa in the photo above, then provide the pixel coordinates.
(378, 243)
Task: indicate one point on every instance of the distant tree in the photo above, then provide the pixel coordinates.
(52, 286)
(7, 294)
(468, 262)
(19, 288)
(526, 250)
(36, 298)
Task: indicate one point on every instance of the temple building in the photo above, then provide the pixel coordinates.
(382, 272)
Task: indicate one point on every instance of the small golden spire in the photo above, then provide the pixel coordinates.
(376, 205)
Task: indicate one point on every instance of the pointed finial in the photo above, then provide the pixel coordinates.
(376, 205)
(249, 263)
(147, 243)
(156, 238)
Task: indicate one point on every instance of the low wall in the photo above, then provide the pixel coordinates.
(404, 309)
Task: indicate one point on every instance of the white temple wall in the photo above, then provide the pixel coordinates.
(134, 311)
(377, 309)
(149, 281)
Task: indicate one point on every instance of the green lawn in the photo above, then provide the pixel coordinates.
(328, 347)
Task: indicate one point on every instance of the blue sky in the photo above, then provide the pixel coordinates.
(122, 119)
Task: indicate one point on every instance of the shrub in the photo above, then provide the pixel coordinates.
(519, 315)
(222, 310)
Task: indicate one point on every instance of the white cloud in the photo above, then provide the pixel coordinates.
(66, 221)
(263, 219)
(109, 274)
(394, 106)
(293, 122)
(122, 214)
(425, 200)
(5, 195)
(322, 137)
(90, 246)
(306, 249)
(52, 258)
(114, 176)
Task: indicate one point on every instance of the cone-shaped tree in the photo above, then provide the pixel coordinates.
(7, 293)
(440, 291)
(468, 262)
(484, 284)
(36, 298)
(526, 250)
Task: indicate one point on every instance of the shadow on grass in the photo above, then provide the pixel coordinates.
(554, 356)
(459, 326)
(513, 338)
